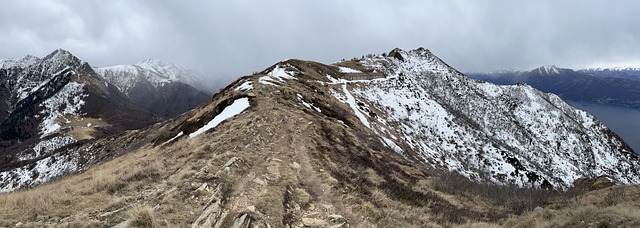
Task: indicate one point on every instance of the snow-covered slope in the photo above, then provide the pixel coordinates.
(505, 134)
(155, 72)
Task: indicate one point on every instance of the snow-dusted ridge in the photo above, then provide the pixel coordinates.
(620, 68)
(156, 72)
(548, 69)
(504, 134)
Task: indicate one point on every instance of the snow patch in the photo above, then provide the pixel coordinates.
(348, 70)
(278, 75)
(44, 170)
(235, 108)
(67, 101)
(352, 103)
(174, 138)
(308, 105)
(247, 85)
(49, 145)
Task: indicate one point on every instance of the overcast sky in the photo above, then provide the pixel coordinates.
(236, 37)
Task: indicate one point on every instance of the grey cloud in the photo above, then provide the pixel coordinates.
(230, 38)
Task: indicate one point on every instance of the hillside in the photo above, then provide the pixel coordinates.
(414, 144)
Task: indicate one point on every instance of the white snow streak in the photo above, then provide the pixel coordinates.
(235, 108)
(247, 85)
(352, 103)
(348, 70)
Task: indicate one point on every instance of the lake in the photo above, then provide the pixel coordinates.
(622, 120)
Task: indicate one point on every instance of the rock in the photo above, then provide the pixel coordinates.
(338, 225)
(313, 222)
(301, 195)
(230, 162)
(295, 165)
(312, 214)
(327, 206)
(108, 214)
(227, 166)
(538, 210)
(335, 218)
(259, 181)
(239, 222)
(204, 187)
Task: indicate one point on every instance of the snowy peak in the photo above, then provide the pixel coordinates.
(59, 54)
(162, 69)
(19, 62)
(57, 59)
(548, 70)
(155, 72)
(401, 55)
(163, 89)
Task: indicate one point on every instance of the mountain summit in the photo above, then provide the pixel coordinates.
(364, 142)
(548, 70)
(164, 89)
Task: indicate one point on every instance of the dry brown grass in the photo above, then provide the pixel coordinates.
(52, 201)
(352, 64)
(622, 215)
(97, 189)
(80, 128)
(142, 216)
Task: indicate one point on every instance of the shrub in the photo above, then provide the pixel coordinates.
(142, 216)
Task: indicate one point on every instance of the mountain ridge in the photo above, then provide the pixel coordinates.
(337, 145)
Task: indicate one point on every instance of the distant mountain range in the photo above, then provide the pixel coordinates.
(632, 73)
(620, 86)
